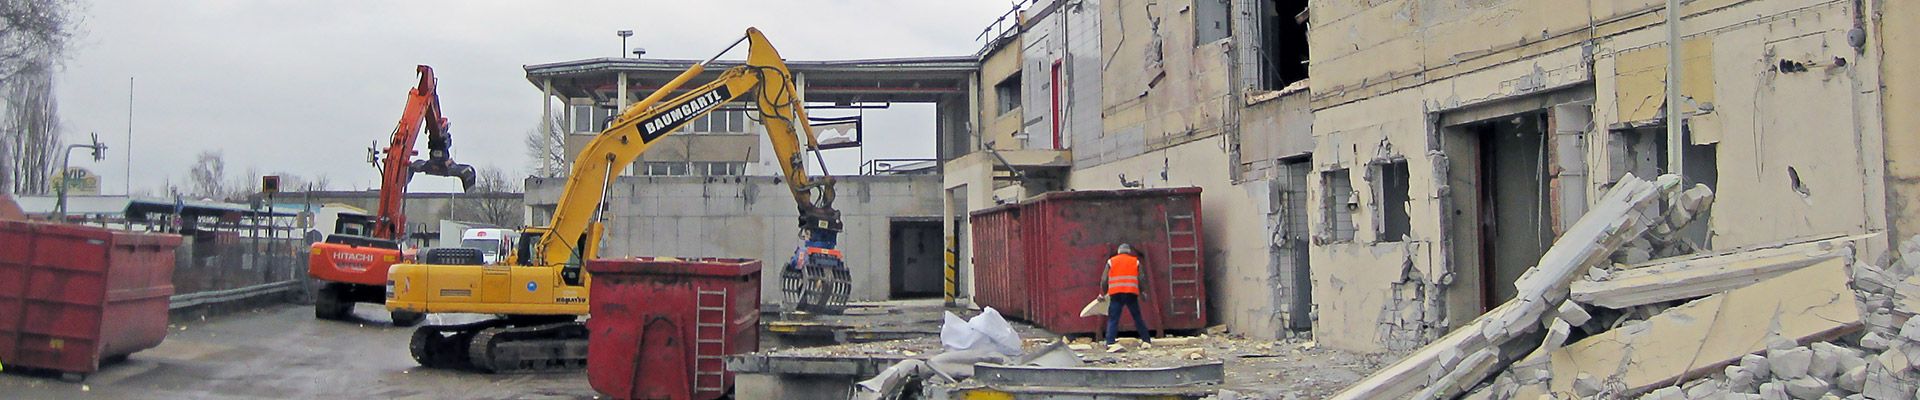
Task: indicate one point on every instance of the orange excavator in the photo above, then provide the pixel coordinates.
(351, 264)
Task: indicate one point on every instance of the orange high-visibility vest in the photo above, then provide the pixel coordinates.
(1123, 274)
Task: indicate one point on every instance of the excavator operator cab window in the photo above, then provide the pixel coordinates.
(570, 273)
(525, 247)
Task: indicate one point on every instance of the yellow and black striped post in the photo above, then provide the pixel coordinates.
(951, 270)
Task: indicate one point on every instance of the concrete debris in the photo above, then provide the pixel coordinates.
(1700, 275)
(1699, 338)
(1573, 314)
(1472, 353)
(1790, 363)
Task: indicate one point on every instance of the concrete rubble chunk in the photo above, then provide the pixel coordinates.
(1704, 390)
(1665, 393)
(1692, 276)
(1702, 337)
(1806, 388)
(1826, 360)
(1622, 214)
(1854, 380)
(1790, 363)
(1910, 330)
(1574, 314)
(1894, 360)
(1740, 380)
(1757, 364)
(1885, 384)
(1587, 386)
(1774, 391)
(1874, 341)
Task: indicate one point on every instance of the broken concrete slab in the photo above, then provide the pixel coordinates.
(1699, 338)
(1623, 214)
(1700, 275)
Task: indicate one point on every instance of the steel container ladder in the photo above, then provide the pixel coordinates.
(709, 341)
(1183, 259)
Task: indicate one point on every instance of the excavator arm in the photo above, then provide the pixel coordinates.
(574, 233)
(397, 165)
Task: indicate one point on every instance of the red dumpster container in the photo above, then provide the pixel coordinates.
(999, 272)
(74, 296)
(660, 327)
(1065, 239)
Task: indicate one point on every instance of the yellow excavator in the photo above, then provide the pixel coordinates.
(542, 292)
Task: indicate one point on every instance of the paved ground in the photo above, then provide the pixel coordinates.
(283, 352)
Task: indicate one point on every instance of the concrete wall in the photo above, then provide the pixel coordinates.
(754, 217)
(1373, 102)
(1900, 90)
(1159, 88)
(999, 128)
(1062, 38)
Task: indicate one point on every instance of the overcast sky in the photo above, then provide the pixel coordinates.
(305, 87)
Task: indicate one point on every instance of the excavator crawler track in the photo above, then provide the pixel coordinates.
(554, 347)
(445, 346)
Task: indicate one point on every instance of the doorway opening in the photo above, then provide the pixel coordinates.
(916, 259)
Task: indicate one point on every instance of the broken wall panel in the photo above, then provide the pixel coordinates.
(1695, 276)
(1701, 337)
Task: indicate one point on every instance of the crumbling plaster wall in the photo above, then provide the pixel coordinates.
(1799, 153)
(1372, 102)
(1273, 129)
(1159, 87)
(754, 217)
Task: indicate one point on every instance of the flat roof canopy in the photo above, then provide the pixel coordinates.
(907, 80)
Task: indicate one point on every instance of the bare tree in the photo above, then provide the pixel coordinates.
(494, 198)
(32, 130)
(34, 33)
(208, 178)
(547, 152)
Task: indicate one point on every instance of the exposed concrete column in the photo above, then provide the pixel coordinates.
(623, 91)
(546, 125)
(1674, 120)
(968, 145)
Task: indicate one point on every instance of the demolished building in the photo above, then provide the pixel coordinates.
(1392, 168)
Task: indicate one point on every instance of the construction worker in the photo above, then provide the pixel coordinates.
(1123, 280)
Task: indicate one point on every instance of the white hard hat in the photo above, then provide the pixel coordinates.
(1125, 248)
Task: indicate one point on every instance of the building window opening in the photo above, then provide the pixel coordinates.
(1283, 43)
(666, 168)
(1007, 94)
(1338, 204)
(1391, 186)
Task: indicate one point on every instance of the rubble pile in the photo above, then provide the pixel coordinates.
(1612, 311)
(1876, 361)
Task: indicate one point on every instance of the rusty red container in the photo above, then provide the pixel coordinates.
(999, 272)
(1064, 241)
(661, 327)
(73, 297)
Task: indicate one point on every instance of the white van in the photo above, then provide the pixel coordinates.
(493, 243)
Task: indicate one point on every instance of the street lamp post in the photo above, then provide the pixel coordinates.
(624, 34)
(66, 178)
